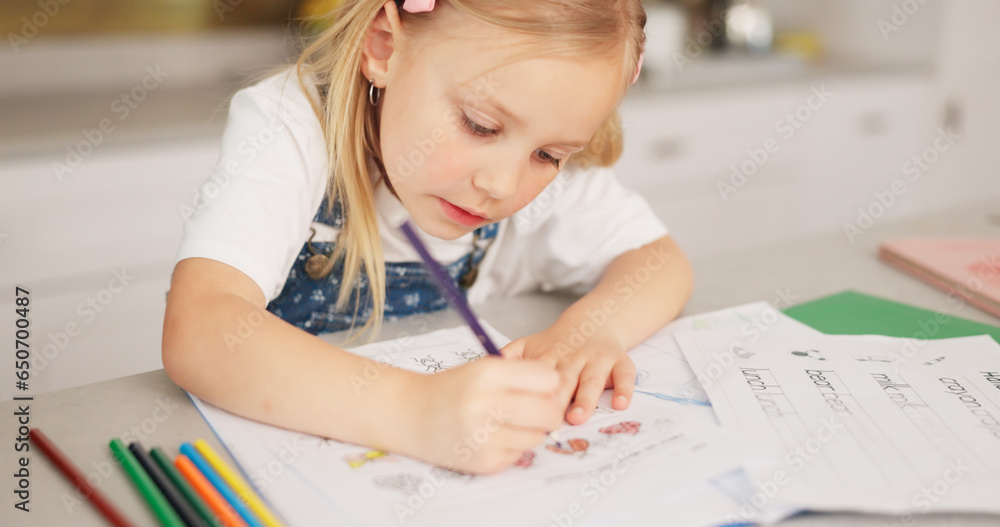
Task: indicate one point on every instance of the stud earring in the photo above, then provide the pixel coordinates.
(373, 93)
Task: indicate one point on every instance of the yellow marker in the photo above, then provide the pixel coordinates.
(361, 459)
(236, 482)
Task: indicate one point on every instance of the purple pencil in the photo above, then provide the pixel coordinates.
(448, 288)
(455, 297)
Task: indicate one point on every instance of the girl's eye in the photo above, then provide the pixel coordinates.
(479, 130)
(476, 129)
(547, 157)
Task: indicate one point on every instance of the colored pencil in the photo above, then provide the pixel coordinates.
(174, 496)
(455, 297)
(448, 288)
(242, 489)
(73, 474)
(154, 498)
(198, 504)
(215, 501)
(220, 485)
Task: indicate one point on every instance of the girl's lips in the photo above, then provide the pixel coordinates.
(459, 214)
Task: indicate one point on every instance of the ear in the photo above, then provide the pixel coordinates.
(380, 43)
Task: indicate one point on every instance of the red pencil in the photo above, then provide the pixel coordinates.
(73, 474)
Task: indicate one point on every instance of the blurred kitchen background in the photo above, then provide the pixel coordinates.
(755, 122)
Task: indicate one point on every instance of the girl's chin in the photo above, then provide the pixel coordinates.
(442, 228)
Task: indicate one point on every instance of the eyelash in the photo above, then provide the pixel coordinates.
(481, 131)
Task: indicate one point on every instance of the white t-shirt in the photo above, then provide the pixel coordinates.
(256, 209)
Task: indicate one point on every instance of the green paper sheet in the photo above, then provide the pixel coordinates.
(853, 313)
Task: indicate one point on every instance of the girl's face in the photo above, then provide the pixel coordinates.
(463, 148)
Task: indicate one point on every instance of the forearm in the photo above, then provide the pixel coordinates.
(639, 292)
(236, 355)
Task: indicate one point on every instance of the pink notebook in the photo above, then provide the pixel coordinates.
(969, 268)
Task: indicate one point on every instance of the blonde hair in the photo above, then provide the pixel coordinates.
(351, 131)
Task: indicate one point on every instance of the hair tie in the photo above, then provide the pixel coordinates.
(415, 6)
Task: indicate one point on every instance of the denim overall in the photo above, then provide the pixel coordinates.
(311, 304)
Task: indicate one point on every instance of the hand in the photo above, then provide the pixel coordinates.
(597, 364)
(481, 417)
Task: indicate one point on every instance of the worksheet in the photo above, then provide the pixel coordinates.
(865, 423)
(662, 370)
(643, 453)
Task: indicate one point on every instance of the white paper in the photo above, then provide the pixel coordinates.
(866, 423)
(643, 453)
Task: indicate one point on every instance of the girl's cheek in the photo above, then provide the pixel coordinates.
(447, 164)
(529, 192)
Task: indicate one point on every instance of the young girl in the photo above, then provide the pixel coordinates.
(489, 123)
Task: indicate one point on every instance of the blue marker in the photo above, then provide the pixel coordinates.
(211, 475)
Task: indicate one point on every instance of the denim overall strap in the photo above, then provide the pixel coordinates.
(310, 304)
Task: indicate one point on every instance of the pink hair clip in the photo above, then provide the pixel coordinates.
(417, 6)
(638, 67)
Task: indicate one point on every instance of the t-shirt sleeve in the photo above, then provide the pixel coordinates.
(255, 208)
(579, 224)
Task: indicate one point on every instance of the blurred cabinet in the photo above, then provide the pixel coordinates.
(96, 250)
(732, 168)
(94, 197)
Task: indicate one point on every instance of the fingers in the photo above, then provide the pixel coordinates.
(513, 350)
(592, 380)
(517, 349)
(569, 375)
(518, 439)
(529, 376)
(528, 412)
(623, 377)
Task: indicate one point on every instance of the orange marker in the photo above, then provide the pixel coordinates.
(208, 493)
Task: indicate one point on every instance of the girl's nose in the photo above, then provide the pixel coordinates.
(499, 181)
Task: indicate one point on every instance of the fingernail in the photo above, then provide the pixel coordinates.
(621, 399)
(577, 410)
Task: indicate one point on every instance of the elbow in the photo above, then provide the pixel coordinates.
(176, 349)
(680, 272)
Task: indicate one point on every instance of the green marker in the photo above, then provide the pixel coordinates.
(161, 507)
(192, 496)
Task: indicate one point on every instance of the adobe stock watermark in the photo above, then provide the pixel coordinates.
(102, 470)
(30, 27)
(289, 453)
(593, 489)
(915, 167)
(696, 44)
(247, 150)
(392, 350)
(795, 459)
(787, 126)
(987, 269)
(484, 87)
(424, 488)
(224, 7)
(121, 107)
(929, 495)
(901, 13)
(625, 288)
(533, 211)
(244, 329)
(87, 311)
(753, 330)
